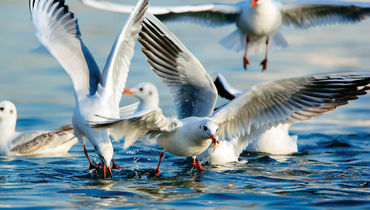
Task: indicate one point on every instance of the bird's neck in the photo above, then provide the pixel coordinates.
(7, 131)
(152, 103)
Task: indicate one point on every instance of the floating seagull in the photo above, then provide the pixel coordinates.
(257, 21)
(247, 116)
(31, 142)
(95, 93)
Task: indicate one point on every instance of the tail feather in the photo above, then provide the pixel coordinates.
(235, 41)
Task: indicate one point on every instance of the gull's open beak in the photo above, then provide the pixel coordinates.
(254, 3)
(128, 92)
(214, 140)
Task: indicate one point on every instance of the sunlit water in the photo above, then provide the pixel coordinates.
(331, 170)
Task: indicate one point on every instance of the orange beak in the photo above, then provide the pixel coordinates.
(214, 140)
(254, 3)
(128, 92)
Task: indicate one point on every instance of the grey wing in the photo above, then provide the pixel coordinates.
(288, 101)
(137, 125)
(216, 14)
(313, 13)
(190, 85)
(56, 28)
(42, 140)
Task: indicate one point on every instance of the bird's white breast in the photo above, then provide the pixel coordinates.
(263, 20)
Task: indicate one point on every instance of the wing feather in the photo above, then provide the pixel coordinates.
(313, 13)
(118, 63)
(190, 85)
(288, 101)
(213, 15)
(56, 28)
(137, 125)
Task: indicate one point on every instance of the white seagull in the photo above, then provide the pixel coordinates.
(257, 21)
(96, 93)
(248, 116)
(16, 143)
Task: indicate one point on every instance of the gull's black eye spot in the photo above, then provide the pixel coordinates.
(1, 108)
(141, 89)
(11, 111)
(205, 128)
(150, 93)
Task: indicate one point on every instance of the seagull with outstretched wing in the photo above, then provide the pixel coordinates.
(249, 115)
(257, 21)
(96, 93)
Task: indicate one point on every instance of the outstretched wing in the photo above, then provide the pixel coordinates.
(216, 14)
(312, 13)
(288, 101)
(137, 125)
(57, 29)
(118, 63)
(190, 85)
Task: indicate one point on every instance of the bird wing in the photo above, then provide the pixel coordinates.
(190, 85)
(224, 88)
(56, 28)
(118, 63)
(51, 139)
(313, 13)
(128, 109)
(216, 14)
(288, 101)
(137, 125)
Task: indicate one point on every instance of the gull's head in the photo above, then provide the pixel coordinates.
(146, 92)
(8, 112)
(209, 129)
(105, 152)
(255, 3)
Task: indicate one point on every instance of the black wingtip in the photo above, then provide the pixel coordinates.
(222, 90)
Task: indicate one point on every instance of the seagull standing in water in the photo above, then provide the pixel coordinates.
(257, 21)
(16, 143)
(95, 93)
(248, 116)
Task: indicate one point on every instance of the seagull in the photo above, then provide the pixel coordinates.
(31, 142)
(256, 21)
(248, 116)
(148, 96)
(96, 93)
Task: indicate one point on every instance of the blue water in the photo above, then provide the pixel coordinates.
(330, 171)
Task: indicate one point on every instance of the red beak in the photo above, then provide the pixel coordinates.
(214, 140)
(254, 3)
(128, 92)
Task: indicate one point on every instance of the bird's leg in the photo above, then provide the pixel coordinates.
(115, 166)
(92, 165)
(194, 163)
(105, 171)
(156, 172)
(264, 62)
(245, 59)
(199, 166)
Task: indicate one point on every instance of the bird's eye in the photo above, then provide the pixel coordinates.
(1, 108)
(11, 111)
(205, 128)
(141, 89)
(150, 93)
